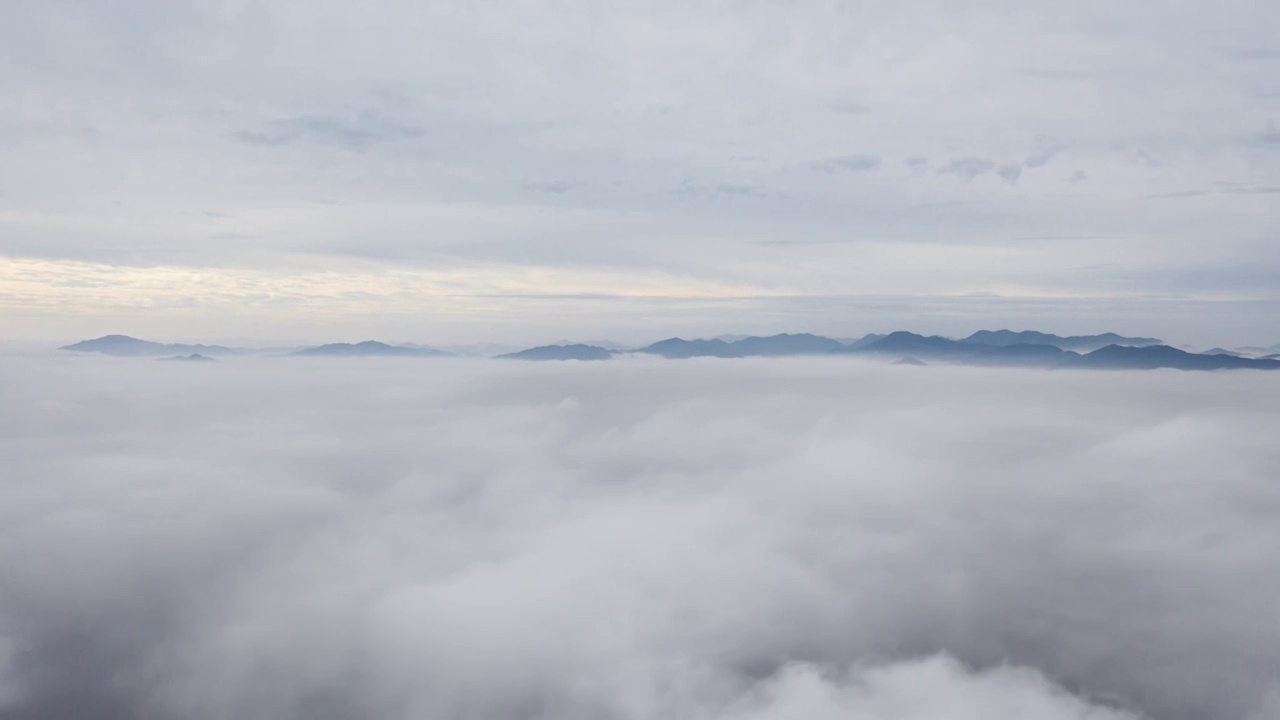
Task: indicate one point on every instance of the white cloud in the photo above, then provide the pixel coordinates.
(634, 539)
(933, 689)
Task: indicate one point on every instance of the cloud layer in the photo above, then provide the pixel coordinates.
(1068, 151)
(636, 539)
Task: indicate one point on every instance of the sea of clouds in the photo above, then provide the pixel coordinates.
(635, 539)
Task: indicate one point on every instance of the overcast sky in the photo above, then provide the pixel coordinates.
(525, 171)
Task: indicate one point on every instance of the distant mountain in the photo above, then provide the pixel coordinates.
(679, 348)
(801, 344)
(862, 342)
(193, 357)
(774, 345)
(996, 348)
(936, 347)
(1078, 343)
(908, 343)
(125, 346)
(910, 361)
(368, 348)
(486, 350)
(560, 352)
(606, 344)
(1119, 357)
(416, 346)
(1258, 351)
(1021, 355)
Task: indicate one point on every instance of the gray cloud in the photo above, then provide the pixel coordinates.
(728, 190)
(1010, 173)
(1258, 54)
(1042, 158)
(118, 128)
(1254, 190)
(968, 168)
(852, 163)
(552, 186)
(1044, 73)
(815, 539)
(1271, 135)
(1144, 157)
(850, 106)
(356, 133)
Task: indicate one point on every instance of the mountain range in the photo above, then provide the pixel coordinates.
(560, 352)
(1116, 357)
(1139, 356)
(126, 346)
(193, 357)
(802, 344)
(1272, 351)
(368, 348)
(997, 348)
(1078, 343)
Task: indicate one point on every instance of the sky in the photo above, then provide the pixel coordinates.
(447, 172)
(756, 539)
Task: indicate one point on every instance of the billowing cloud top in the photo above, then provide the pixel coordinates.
(753, 540)
(270, 168)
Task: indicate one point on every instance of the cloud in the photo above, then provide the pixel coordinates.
(738, 189)
(852, 163)
(1270, 136)
(1254, 190)
(722, 190)
(1010, 173)
(356, 133)
(808, 538)
(1144, 157)
(551, 186)
(849, 106)
(1042, 158)
(936, 687)
(968, 168)
(430, 125)
(1177, 195)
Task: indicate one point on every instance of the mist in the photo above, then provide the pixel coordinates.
(743, 539)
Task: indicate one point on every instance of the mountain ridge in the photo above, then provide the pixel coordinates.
(367, 348)
(1078, 343)
(126, 346)
(575, 351)
(1154, 357)
(750, 346)
(993, 348)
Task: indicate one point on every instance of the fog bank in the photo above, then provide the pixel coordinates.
(745, 539)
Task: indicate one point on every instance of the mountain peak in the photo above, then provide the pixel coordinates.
(1078, 343)
(367, 348)
(124, 345)
(576, 351)
(1151, 357)
(750, 346)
